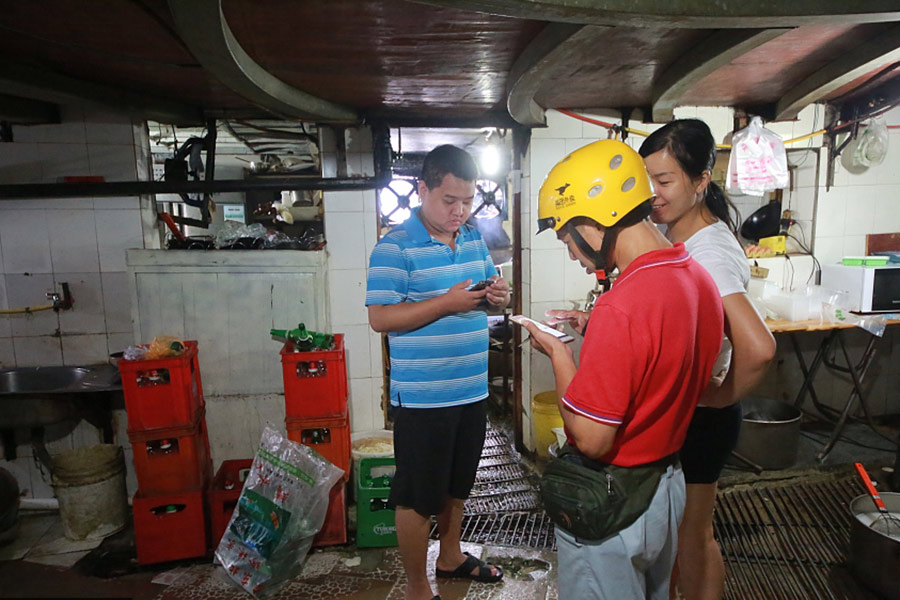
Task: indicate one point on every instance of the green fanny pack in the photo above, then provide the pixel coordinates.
(593, 500)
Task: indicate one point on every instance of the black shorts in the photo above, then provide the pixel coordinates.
(711, 436)
(437, 452)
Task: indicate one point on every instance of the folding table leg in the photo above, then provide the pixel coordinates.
(809, 374)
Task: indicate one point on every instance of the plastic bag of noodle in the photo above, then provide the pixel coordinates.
(281, 508)
(758, 162)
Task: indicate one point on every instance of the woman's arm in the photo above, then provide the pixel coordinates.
(753, 348)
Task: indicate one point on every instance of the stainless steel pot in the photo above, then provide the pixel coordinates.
(770, 432)
(874, 556)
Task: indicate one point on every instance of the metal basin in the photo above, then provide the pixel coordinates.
(874, 556)
(40, 396)
(770, 432)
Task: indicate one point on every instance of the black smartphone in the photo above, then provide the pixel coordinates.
(480, 285)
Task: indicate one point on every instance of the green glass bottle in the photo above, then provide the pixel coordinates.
(303, 339)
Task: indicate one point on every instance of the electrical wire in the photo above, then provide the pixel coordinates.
(818, 267)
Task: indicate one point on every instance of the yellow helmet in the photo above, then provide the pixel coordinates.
(603, 181)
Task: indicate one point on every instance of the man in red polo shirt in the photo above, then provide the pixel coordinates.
(648, 352)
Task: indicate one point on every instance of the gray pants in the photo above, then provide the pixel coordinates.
(634, 563)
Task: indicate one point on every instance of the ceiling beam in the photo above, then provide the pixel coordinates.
(874, 54)
(26, 111)
(714, 52)
(557, 44)
(691, 14)
(18, 79)
(202, 27)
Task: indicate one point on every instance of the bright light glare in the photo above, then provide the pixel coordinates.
(490, 160)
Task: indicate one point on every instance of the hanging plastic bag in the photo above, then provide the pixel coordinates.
(758, 162)
(872, 145)
(281, 508)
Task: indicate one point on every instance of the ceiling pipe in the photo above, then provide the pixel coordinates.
(203, 29)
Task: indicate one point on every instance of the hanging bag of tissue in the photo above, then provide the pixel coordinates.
(758, 162)
(281, 508)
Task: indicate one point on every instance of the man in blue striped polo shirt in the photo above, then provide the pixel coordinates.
(418, 292)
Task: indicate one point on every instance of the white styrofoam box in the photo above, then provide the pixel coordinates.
(73, 241)
(24, 291)
(346, 233)
(548, 275)
(112, 162)
(344, 201)
(357, 349)
(116, 302)
(40, 351)
(117, 231)
(25, 241)
(347, 297)
(7, 353)
(86, 315)
(365, 407)
(79, 350)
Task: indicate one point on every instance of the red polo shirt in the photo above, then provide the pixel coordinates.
(648, 354)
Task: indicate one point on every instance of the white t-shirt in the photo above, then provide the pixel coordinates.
(716, 248)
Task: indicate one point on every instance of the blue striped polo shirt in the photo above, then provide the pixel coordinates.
(445, 362)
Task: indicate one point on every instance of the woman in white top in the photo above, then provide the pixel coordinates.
(679, 158)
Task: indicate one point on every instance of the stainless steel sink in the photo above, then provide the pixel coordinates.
(40, 396)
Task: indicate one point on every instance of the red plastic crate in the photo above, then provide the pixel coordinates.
(170, 461)
(315, 383)
(169, 527)
(222, 499)
(334, 530)
(329, 436)
(162, 393)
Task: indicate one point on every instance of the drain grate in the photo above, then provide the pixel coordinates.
(788, 540)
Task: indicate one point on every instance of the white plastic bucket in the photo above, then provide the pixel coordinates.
(90, 486)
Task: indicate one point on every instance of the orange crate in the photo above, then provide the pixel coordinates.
(162, 393)
(223, 495)
(170, 461)
(169, 527)
(315, 382)
(328, 436)
(334, 530)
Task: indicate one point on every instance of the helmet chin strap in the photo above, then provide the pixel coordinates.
(598, 257)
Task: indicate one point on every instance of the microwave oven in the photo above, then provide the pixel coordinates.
(868, 289)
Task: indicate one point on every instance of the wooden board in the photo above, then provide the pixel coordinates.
(882, 242)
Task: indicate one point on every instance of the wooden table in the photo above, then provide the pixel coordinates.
(857, 371)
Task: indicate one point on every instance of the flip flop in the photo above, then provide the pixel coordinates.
(464, 571)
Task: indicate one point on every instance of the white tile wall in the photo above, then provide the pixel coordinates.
(73, 240)
(7, 353)
(38, 351)
(25, 240)
(117, 230)
(30, 291)
(116, 301)
(346, 234)
(86, 315)
(89, 349)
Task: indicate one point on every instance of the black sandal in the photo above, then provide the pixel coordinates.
(464, 571)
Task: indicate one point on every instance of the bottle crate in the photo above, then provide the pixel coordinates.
(223, 495)
(329, 436)
(172, 460)
(334, 530)
(169, 526)
(162, 393)
(315, 382)
(375, 525)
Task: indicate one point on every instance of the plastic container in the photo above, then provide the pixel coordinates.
(544, 417)
(329, 436)
(169, 527)
(90, 486)
(223, 495)
(162, 393)
(368, 444)
(334, 530)
(170, 461)
(315, 382)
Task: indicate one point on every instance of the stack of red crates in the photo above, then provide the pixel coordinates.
(315, 397)
(167, 429)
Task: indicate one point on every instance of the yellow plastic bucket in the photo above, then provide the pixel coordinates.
(544, 417)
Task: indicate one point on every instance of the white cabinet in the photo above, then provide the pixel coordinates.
(228, 300)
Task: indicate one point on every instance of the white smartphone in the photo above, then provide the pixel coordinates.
(521, 319)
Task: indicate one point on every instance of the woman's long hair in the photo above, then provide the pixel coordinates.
(693, 146)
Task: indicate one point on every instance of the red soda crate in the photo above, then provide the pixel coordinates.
(224, 493)
(170, 461)
(329, 436)
(162, 393)
(169, 527)
(334, 530)
(315, 382)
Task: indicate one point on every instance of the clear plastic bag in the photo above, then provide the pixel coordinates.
(758, 162)
(872, 144)
(874, 324)
(281, 508)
